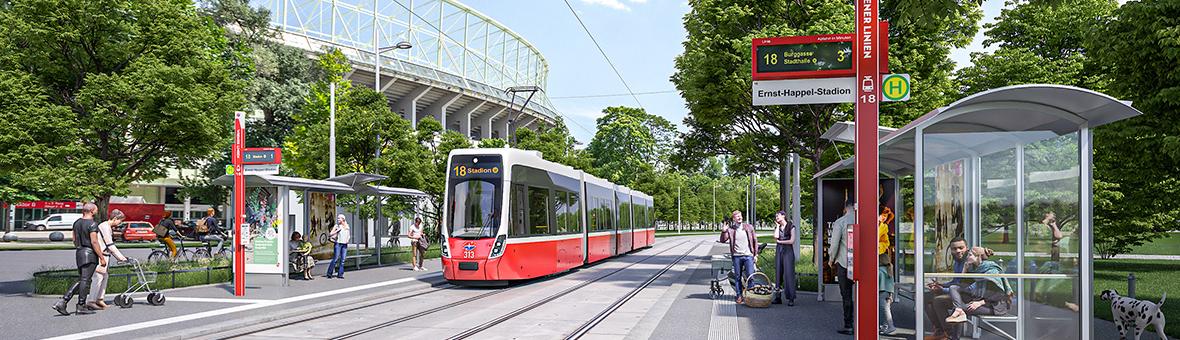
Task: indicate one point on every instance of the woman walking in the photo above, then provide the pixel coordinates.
(784, 258)
(340, 235)
(416, 236)
(98, 286)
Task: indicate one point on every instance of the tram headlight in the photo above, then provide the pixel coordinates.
(498, 248)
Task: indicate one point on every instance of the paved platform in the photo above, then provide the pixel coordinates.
(190, 309)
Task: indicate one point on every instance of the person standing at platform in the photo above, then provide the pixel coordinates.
(785, 239)
(742, 245)
(87, 254)
(838, 258)
(340, 235)
(416, 234)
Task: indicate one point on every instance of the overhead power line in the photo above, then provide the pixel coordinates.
(604, 56)
(614, 95)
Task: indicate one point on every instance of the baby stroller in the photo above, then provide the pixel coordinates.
(143, 281)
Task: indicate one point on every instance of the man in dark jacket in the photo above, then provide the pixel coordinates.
(86, 253)
(742, 245)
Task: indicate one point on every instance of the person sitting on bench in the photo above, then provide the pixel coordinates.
(984, 296)
(301, 255)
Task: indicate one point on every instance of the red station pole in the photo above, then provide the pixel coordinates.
(239, 204)
(868, 78)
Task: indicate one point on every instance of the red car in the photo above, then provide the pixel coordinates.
(134, 231)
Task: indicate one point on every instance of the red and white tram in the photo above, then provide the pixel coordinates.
(511, 215)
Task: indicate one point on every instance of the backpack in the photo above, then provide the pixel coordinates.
(201, 227)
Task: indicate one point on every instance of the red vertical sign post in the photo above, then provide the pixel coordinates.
(868, 78)
(239, 203)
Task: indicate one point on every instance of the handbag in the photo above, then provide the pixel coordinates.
(423, 243)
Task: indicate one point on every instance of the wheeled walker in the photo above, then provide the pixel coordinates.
(143, 281)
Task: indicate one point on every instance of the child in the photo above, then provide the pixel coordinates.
(885, 291)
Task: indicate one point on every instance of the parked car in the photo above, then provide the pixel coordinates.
(54, 221)
(134, 231)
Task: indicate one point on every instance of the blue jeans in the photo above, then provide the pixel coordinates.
(743, 266)
(338, 254)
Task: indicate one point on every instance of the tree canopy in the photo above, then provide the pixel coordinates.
(149, 84)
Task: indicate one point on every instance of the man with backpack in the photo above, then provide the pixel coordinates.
(214, 230)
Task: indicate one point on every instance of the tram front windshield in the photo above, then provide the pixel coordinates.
(473, 209)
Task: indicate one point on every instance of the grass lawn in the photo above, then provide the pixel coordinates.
(56, 281)
(804, 265)
(1154, 278)
(670, 233)
(1167, 245)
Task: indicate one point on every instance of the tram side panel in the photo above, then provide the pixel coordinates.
(526, 259)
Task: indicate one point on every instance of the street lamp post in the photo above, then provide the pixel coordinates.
(404, 45)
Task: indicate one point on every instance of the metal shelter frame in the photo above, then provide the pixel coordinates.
(1010, 119)
(352, 183)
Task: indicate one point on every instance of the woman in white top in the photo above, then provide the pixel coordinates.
(340, 235)
(98, 285)
(415, 240)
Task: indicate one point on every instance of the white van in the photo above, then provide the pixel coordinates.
(54, 221)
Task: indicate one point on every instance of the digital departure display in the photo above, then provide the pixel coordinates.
(836, 55)
(812, 56)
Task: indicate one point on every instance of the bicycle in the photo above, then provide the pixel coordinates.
(222, 252)
(160, 254)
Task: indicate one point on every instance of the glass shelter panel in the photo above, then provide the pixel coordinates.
(1051, 234)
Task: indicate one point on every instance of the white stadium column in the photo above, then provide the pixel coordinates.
(487, 125)
(408, 105)
(464, 116)
(439, 109)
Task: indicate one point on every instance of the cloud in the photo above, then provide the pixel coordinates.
(612, 4)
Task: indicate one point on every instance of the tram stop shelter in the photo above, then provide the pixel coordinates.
(277, 206)
(993, 168)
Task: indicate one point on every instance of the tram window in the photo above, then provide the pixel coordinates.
(472, 209)
(538, 215)
(561, 208)
(575, 217)
(519, 208)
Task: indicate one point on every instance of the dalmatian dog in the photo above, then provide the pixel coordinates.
(1130, 312)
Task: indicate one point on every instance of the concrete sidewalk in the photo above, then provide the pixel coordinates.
(190, 311)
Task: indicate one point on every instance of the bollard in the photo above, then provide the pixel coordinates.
(1131, 285)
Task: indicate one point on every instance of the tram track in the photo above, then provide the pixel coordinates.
(449, 306)
(452, 305)
(598, 318)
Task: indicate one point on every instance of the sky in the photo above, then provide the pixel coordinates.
(642, 39)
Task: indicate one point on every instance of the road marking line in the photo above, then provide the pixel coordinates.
(216, 300)
(202, 315)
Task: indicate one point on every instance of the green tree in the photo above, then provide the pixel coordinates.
(1137, 160)
(1040, 42)
(555, 144)
(150, 82)
(630, 142)
(277, 87)
(40, 157)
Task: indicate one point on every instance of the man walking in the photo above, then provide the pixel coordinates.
(784, 257)
(838, 258)
(88, 256)
(742, 244)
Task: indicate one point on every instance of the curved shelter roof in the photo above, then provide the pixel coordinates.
(1026, 113)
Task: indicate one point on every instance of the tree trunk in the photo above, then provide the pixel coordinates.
(104, 203)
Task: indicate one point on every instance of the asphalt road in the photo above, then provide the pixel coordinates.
(17, 267)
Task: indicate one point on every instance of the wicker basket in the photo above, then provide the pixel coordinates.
(756, 300)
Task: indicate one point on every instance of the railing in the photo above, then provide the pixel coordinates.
(68, 277)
